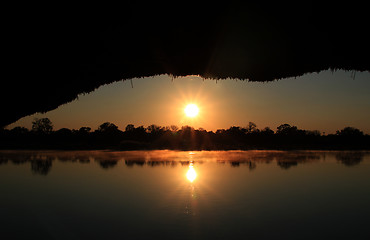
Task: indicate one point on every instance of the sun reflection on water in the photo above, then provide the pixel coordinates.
(191, 174)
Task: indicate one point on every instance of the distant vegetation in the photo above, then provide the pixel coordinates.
(108, 136)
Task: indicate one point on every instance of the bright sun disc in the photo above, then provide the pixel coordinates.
(191, 110)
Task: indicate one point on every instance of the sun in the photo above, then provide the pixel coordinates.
(191, 110)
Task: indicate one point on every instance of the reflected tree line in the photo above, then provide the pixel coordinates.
(41, 162)
(109, 136)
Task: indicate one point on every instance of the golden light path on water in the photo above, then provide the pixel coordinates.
(191, 174)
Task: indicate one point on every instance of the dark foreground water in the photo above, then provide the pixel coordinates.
(184, 195)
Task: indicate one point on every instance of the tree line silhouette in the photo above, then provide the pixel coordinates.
(108, 136)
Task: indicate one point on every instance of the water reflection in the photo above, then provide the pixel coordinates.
(41, 161)
(350, 158)
(191, 174)
(207, 195)
(39, 166)
(106, 164)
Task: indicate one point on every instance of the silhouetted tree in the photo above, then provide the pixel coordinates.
(235, 130)
(267, 131)
(129, 127)
(220, 131)
(252, 127)
(64, 131)
(350, 132)
(313, 133)
(138, 134)
(285, 129)
(107, 127)
(154, 129)
(43, 125)
(84, 130)
(19, 130)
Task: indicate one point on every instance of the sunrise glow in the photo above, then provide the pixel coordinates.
(191, 110)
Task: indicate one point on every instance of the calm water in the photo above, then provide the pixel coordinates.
(184, 195)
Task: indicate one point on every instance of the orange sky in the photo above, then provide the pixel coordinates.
(326, 101)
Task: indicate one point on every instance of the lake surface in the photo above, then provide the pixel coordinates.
(184, 195)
